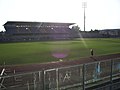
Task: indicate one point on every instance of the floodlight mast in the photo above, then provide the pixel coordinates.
(84, 5)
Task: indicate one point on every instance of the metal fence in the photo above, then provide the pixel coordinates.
(77, 77)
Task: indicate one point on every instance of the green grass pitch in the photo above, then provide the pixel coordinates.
(38, 52)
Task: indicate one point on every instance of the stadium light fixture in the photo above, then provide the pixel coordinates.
(84, 5)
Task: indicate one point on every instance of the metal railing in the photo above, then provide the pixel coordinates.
(79, 77)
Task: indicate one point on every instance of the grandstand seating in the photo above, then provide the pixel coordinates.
(40, 31)
(30, 31)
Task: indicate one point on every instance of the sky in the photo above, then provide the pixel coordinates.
(100, 14)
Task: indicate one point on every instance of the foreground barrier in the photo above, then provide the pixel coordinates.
(99, 75)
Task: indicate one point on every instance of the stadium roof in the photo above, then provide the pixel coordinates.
(14, 23)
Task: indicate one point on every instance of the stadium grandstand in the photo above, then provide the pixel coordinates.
(17, 31)
(113, 33)
(38, 31)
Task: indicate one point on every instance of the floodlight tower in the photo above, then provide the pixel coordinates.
(84, 5)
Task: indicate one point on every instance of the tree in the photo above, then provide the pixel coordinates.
(76, 28)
